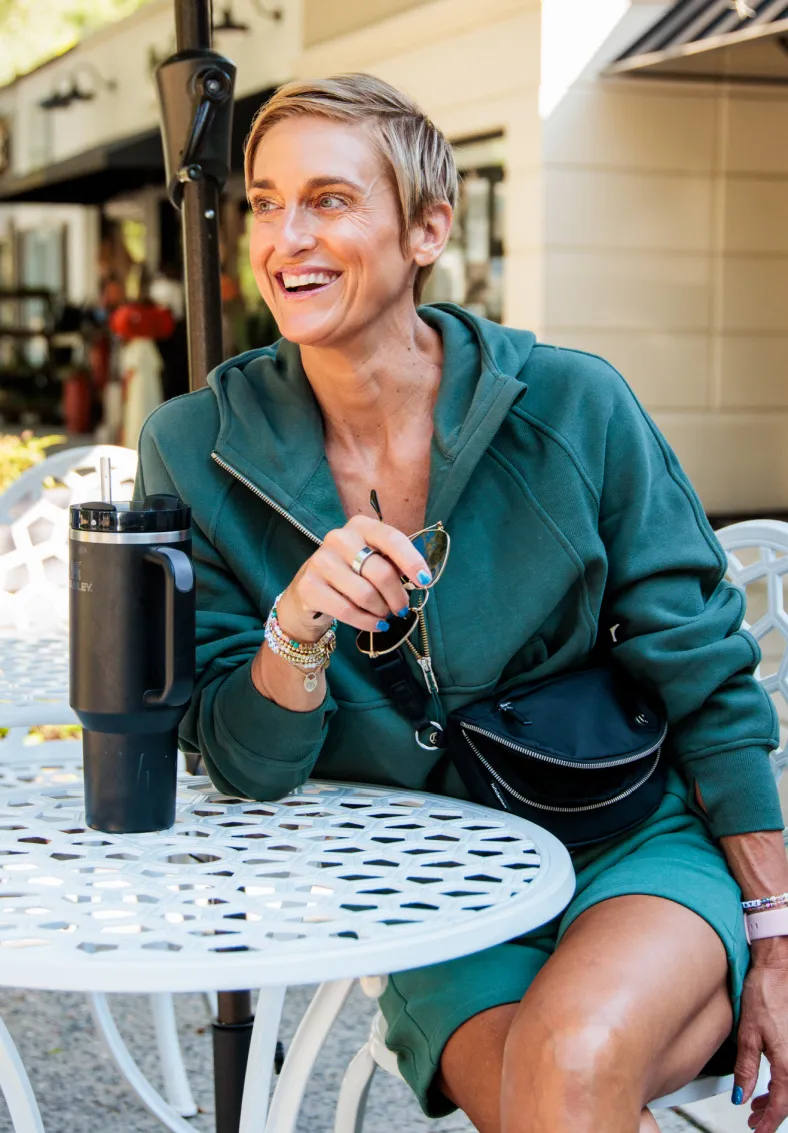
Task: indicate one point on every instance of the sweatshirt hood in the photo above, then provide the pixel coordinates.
(271, 427)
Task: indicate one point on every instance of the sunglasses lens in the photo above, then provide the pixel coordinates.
(433, 546)
(399, 630)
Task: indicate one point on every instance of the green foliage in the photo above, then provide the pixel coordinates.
(32, 31)
(42, 733)
(19, 452)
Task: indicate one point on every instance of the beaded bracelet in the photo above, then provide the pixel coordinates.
(309, 657)
(763, 903)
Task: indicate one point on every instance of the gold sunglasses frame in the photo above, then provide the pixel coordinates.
(412, 588)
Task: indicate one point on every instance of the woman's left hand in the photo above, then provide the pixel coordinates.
(763, 1029)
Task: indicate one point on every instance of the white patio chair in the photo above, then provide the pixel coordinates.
(34, 521)
(757, 553)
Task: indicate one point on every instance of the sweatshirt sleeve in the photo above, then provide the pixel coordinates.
(678, 625)
(250, 745)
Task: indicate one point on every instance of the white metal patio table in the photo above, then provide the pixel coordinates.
(333, 882)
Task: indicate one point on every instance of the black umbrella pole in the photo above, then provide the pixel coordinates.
(195, 88)
(200, 220)
(193, 24)
(232, 1035)
(200, 227)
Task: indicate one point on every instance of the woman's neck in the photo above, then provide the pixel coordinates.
(368, 389)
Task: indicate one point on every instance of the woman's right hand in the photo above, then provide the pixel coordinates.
(327, 582)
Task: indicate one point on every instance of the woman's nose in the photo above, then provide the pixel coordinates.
(295, 233)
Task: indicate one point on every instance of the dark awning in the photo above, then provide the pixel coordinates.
(713, 39)
(94, 176)
(121, 166)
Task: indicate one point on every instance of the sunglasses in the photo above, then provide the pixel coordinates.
(433, 545)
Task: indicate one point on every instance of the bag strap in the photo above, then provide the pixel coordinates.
(403, 688)
(397, 679)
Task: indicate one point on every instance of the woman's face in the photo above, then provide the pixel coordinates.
(325, 244)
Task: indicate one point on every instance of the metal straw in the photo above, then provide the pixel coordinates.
(106, 479)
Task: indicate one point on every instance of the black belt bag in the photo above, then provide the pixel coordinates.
(579, 753)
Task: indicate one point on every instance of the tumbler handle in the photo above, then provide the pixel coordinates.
(178, 627)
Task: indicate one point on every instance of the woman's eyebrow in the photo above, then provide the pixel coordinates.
(312, 183)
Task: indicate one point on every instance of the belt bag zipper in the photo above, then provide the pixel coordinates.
(653, 749)
(599, 765)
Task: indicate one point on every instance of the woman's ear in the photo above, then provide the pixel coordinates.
(428, 238)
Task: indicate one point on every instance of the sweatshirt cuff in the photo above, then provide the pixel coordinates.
(738, 789)
(265, 728)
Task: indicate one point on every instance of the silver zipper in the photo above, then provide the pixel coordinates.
(565, 762)
(498, 795)
(425, 664)
(424, 660)
(557, 809)
(253, 488)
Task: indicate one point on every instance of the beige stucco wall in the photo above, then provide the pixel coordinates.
(475, 69)
(666, 250)
(327, 21)
(645, 220)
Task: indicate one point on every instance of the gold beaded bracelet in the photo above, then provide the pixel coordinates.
(309, 657)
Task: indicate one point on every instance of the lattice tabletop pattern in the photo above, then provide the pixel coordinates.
(330, 882)
(56, 763)
(34, 681)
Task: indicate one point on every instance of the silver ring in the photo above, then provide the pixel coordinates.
(361, 558)
(433, 745)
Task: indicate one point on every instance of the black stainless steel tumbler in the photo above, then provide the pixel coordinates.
(131, 655)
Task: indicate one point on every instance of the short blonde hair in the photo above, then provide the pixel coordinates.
(419, 159)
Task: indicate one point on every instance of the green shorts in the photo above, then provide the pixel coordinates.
(670, 855)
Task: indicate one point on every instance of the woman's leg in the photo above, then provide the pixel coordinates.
(631, 1006)
(478, 1047)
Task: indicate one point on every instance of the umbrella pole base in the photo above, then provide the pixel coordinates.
(232, 1034)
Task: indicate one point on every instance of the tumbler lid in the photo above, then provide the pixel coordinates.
(154, 513)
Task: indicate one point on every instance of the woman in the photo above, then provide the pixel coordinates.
(568, 516)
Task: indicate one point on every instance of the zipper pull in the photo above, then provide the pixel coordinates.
(498, 795)
(425, 664)
(509, 709)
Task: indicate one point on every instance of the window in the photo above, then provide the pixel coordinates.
(470, 271)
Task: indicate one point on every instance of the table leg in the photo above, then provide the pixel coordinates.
(176, 1082)
(262, 1053)
(232, 1034)
(107, 1028)
(16, 1089)
(301, 1055)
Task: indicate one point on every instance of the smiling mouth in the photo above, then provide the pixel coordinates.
(305, 283)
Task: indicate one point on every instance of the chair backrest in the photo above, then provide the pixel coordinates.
(757, 553)
(34, 521)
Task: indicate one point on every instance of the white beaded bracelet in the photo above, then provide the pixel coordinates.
(310, 658)
(765, 902)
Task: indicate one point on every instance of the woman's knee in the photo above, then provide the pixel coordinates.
(571, 1044)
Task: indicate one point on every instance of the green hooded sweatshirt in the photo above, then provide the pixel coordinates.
(568, 515)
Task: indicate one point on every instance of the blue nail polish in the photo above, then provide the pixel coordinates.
(424, 577)
(382, 626)
(737, 1097)
(402, 613)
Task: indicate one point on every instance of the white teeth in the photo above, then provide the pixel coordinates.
(292, 280)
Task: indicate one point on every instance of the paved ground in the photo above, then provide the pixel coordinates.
(80, 1091)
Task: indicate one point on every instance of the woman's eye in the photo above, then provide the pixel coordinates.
(260, 204)
(330, 201)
